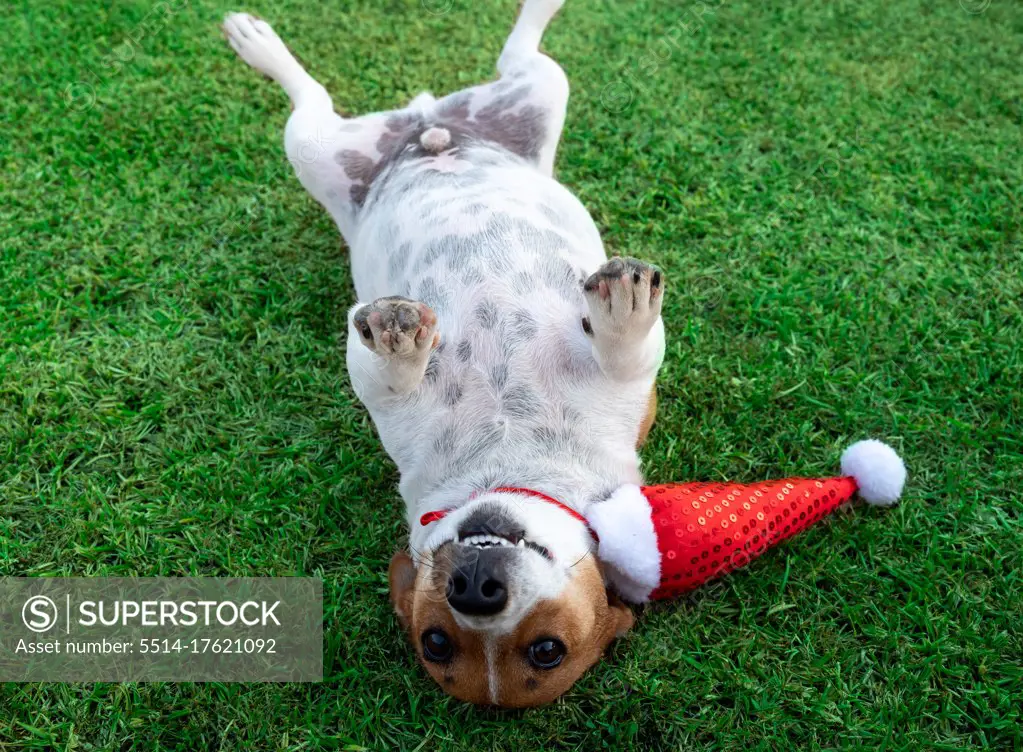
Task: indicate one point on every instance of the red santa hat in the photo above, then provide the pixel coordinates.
(662, 541)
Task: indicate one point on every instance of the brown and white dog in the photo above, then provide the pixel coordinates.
(508, 365)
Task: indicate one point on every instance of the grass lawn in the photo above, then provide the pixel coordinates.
(833, 191)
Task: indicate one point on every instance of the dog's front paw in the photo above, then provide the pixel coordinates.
(624, 297)
(397, 327)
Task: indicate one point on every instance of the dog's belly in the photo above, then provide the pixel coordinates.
(457, 221)
(512, 394)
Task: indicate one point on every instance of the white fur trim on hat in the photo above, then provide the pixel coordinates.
(628, 543)
(878, 470)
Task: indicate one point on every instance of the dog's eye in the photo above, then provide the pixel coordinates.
(436, 646)
(546, 652)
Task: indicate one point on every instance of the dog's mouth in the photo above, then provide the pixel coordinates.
(492, 526)
(484, 538)
(489, 540)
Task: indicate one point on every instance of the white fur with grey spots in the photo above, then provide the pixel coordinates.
(535, 381)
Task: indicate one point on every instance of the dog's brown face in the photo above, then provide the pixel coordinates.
(531, 663)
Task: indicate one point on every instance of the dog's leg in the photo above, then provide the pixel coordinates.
(548, 94)
(524, 110)
(624, 298)
(389, 344)
(335, 158)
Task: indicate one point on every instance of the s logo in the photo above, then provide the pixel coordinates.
(39, 613)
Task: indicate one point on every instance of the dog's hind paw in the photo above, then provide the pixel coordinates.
(257, 44)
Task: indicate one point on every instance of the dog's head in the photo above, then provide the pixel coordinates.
(507, 605)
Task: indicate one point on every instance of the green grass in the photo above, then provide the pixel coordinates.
(833, 190)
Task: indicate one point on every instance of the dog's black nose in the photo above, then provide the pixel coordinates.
(478, 584)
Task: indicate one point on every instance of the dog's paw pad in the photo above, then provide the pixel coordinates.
(622, 295)
(397, 327)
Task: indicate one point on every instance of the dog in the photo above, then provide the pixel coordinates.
(507, 363)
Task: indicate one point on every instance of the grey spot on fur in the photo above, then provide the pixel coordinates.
(455, 106)
(521, 327)
(452, 394)
(357, 166)
(472, 277)
(497, 244)
(570, 415)
(506, 120)
(458, 259)
(479, 443)
(447, 247)
(432, 368)
(520, 402)
(540, 239)
(358, 193)
(558, 275)
(464, 350)
(445, 442)
(499, 376)
(486, 313)
(560, 439)
(401, 120)
(553, 441)
(428, 291)
(390, 145)
(431, 294)
(521, 132)
(398, 261)
(499, 104)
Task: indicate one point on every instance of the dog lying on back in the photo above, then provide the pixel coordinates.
(508, 365)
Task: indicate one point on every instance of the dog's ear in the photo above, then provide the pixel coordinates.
(620, 618)
(402, 577)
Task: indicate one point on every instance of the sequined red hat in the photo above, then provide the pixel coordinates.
(662, 541)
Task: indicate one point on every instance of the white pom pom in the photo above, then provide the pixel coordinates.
(435, 140)
(878, 470)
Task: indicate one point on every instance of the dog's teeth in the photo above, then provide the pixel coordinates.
(485, 540)
(521, 543)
